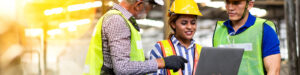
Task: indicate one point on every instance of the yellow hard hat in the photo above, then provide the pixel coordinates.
(185, 7)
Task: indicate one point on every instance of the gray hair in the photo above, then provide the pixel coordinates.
(131, 1)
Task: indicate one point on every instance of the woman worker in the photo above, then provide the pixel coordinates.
(183, 15)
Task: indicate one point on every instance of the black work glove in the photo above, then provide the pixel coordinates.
(174, 62)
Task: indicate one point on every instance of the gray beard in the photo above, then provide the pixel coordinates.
(141, 16)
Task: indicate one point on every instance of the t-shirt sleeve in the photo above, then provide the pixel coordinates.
(270, 43)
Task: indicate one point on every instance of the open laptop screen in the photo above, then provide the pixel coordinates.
(219, 61)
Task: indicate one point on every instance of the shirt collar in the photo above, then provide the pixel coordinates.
(176, 42)
(125, 12)
(250, 21)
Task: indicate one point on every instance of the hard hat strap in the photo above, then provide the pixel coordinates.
(170, 13)
(245, 10)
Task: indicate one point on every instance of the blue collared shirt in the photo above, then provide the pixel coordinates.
(187, 53)
(270, 43)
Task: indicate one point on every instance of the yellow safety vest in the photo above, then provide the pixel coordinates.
(168, 50)
(94, 58)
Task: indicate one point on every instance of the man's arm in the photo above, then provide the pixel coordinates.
(156, 53)
(271, 51)
(118, 35)
(272, 64)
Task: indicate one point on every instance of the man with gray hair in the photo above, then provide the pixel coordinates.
(116, 46)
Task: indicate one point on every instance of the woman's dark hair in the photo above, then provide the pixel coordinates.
(172, 21)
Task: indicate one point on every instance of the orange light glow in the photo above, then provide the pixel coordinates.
(74, 23)
(33, 32)
(84, 6)
(54, 32)
(75, 7)
(54, 11)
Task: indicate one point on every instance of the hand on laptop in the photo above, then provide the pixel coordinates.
(174, 62)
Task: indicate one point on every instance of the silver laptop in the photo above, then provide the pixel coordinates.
(219, 61)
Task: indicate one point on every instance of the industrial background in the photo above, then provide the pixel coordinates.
(51, 37)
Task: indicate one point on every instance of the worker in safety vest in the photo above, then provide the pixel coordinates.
(256, 35)
(183, 17)
(116, 46)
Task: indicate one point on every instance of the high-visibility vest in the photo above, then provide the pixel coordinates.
(169, 50)
(94, 58)
(252, 62)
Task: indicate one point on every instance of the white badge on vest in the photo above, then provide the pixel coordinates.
(139, 44)
(245, 46)
(94, 32)
(86, 69)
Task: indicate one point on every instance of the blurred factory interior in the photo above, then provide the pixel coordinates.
(51, 37)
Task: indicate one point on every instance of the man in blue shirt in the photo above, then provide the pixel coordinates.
(257, 36)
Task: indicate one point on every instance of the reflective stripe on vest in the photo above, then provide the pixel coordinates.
(168, 50)
(252, 63)
(94, 58)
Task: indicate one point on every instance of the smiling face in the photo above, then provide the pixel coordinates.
(185, 27)
(235, 9)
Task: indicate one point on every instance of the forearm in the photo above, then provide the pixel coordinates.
(155, 54)
(122, 65)
(272, 64)
(120, 52)
(134, 67)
